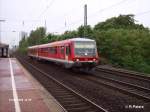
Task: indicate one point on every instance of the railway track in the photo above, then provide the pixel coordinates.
(127, 88)
(133, 90)
(123, 73)
(126, 77)
(69, 99)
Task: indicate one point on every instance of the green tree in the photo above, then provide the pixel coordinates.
(85, 31)
(122, 21)
(37, 35)
(68, 35)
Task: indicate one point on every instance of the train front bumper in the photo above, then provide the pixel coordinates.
(85, 64)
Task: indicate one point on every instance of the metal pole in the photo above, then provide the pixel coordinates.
(85, 19)
(85, 15)
(45, 26)
(0, 31)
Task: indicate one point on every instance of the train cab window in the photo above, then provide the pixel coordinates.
(67, 50)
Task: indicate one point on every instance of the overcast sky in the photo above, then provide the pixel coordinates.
(34, 13)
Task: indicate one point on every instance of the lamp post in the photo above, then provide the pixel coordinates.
(0, 28)
(13, 42)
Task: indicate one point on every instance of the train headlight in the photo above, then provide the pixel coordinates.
(94, 59)
(77, 59)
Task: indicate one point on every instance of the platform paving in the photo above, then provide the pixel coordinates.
(20, 92)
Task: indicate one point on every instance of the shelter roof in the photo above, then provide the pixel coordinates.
(2, 45)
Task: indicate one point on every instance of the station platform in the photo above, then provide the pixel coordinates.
(20, 92)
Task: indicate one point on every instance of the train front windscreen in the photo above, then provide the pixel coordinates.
(85, 48)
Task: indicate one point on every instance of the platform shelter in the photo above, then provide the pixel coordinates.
(4, 50)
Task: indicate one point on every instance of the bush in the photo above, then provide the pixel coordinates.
(126, 48)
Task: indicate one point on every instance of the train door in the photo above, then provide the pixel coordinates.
(67, 56)
(62, 52)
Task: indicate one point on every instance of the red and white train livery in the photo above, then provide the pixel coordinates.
(75, 52)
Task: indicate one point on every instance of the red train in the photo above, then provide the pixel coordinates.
(75, 52)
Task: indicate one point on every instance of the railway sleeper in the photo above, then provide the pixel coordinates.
(66, 98)
(79, 109)
(75, 105)
(59, 91)
(71, 101)
(58, 94)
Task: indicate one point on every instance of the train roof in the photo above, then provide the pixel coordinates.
(62, 41)
(81, 39)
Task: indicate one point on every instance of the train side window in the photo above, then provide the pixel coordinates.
(67, 50)
(43, 50)
(53, 50)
